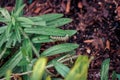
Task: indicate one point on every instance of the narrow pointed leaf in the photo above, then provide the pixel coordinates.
(3, 39)
(10, 64)
(118, 76)
(48, 78)
(4, 20)
(19, 10)
(38, 69)
(18, 4)
(80, 69)
(2, 29)
(104, 69)
(114, 75)
(49, 31)
(26, 25)
(5, 13)
(18, 34)
(8, 74)
(46, 17)
(25, 20)
(42, 39)
(10, 41)
(59, 22)
(61, 48)
(8, 30)
(61, 69)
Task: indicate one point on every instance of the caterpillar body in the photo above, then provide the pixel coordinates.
(60, 38)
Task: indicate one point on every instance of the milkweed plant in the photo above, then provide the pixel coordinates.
(20, 42)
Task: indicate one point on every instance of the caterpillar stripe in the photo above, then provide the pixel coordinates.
(60, 38)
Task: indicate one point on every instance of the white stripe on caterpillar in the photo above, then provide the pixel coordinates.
(60, 38)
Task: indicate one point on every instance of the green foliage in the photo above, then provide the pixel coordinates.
(118, 76)
(21, 37)
(61, 68)
(80, 69)
(114, 75)
(38, 69)
(61, 48)
(11, 63)
(8, 75)
(104, 69)
(48, 78)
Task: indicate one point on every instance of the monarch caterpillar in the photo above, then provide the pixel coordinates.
(60, 38)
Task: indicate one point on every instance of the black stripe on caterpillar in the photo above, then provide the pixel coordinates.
(60, 38)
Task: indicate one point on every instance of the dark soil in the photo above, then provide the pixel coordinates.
(97, 23)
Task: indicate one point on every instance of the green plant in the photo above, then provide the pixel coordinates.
(21, 36)
(80, 69)
(104, 69)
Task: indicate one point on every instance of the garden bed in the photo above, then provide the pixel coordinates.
(97, 23)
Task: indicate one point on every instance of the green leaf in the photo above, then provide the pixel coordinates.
(27, 50)
(8, 30)
(5, 13)
(104, 69)
(80, 69)
(61, 69)
(11, 41)
(40, 23)
(49, 31)
(57, 79)
(17, 32)
(48, 78)
(45, 38)
(42, 39)
(59, 22)
(34, 24)
(8, 74)
(2, 29)
(3, 39)
(38, 47)
(10, 64)
(61, 48)
(4, 20)
(38, 69)
(19, 10)
(70, 32)
(13, 21)
(118, 76)
(46, 17)
(114, 75)
(25, 20)
(25, 25)
(18, 4)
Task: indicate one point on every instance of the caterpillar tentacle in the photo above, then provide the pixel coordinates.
(60, 38)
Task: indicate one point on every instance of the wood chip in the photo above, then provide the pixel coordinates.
(68, 6)
(89, 41)
(37, 10)
(107, 45)
(80, 5)
(118, 11)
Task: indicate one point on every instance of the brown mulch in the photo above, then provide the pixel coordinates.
(98, 28)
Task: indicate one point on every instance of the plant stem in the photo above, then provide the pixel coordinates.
(33, 47)
(49, 66)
